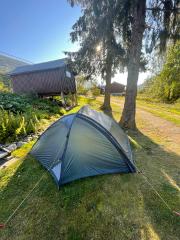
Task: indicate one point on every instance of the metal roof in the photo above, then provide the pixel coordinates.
(40, 66)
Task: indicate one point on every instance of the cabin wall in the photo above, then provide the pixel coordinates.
(49, 82)
(117, 88)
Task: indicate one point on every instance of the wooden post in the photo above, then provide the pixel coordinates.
(63, 99)
(75, 98)
(72, 100)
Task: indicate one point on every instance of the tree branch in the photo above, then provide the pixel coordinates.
(163, 10)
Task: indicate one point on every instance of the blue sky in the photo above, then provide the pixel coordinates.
(38, 30)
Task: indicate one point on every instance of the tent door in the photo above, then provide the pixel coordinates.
(57, 171)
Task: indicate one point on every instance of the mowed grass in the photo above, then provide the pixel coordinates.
(170, 112)
(117, 206)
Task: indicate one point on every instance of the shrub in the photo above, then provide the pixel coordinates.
(21, 115)
(14, 126)
(5, 82)
(23, 103)
(3, 88)
(95, 91)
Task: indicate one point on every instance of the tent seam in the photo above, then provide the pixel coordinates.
(66, 143)
(110, 137)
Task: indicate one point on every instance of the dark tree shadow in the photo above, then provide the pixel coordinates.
(151, 158)
(108, 113)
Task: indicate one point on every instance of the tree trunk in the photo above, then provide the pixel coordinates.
(106, 107)
(138, 27)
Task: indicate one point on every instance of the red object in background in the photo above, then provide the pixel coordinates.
(2, 225)
(177, 213)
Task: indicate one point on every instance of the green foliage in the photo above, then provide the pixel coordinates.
(101, 51)
(3, 88)
(83, 91)
(166, 85)
(80, 83)
(23, 103)
(95, 90)
(87, 87)
(21, 115)
(4, 83)
(164, 20)
(14, 126)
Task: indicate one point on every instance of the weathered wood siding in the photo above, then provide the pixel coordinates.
(117, 88)
(46, 82)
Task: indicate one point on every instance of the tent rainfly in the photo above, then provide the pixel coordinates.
(45, 79)
(83, 144)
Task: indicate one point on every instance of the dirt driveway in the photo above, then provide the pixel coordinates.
(168, 131)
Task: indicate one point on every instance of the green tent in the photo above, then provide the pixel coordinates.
(83, 144)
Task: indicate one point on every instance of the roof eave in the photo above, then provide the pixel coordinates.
(41, 70)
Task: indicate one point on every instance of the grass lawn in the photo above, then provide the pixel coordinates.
(118, 206)
(170, 112)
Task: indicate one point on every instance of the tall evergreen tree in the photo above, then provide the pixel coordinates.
(138, 25)
(100, 50)
(154, 22)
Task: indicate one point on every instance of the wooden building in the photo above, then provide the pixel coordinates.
(117, 88)
(45, 79)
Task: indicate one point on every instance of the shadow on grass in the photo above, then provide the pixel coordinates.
(45, 199)
(153, 160)
(118, 206)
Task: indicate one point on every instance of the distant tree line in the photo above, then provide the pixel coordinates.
(165, 86)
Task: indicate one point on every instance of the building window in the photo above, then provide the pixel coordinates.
(68, 74)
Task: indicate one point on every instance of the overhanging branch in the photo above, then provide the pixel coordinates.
(163, 10)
